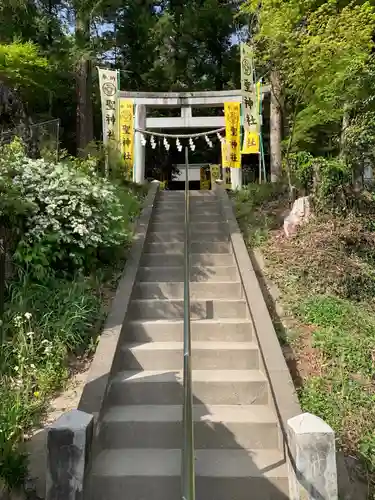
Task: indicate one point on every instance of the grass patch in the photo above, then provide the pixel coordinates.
(327, 278)
(43, 324)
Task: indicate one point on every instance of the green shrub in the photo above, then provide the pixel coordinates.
(67, 214)
(252, 204)
(328, 180)
(68, 229)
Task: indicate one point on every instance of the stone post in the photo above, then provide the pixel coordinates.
(69, 441)
(312, 464)
(139, 150)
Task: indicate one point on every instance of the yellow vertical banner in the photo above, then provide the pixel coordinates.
(249, 99)
(232, 112)
(224, 154)
(215, 174)
(127, 134)
(250, 143)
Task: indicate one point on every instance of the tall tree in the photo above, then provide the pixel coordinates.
(319, 50)
(85, 132)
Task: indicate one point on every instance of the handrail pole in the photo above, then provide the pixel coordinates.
(188, 456)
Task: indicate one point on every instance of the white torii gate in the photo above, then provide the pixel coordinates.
(185, 101)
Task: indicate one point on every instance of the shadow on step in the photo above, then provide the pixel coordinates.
(215, 292)
(141, 439)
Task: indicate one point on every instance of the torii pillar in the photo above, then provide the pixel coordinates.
(139, 150)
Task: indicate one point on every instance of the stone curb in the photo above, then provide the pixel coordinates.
(95, 389)
(277, 371)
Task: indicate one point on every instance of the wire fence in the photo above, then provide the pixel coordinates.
(40, 139)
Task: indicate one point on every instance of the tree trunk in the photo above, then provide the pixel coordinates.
(275, 126)
(83, 81)
(344, 126)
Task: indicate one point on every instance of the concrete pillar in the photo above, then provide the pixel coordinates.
(236, 178)
(68, 448)
(139, 150)
(312, 467)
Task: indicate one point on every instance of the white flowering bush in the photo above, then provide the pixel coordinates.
(56, 217)
(71, 214)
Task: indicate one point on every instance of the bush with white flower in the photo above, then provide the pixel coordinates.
(70, 214)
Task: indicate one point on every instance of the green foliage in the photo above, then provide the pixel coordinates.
(177, 45)
(348, 407)
(254, 220)
(22, 65)
(326, 276)
(333, 176)
(42, 323)
(69, 230)
(344, 332)
(360, 140)
(302, 170)
(71, 213)
(320, 50)
(327, 180)
(69, 219)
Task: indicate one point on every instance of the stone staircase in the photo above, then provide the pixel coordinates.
(237, 437)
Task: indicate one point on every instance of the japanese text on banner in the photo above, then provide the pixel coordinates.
(250, 143)
(224, 155)
(108, 96)
(250, 107)
(127, 134)
(232, 133)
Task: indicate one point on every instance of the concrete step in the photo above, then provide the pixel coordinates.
(205, 356)
(179, 236)
(201, 210)
(198, 290)
(174, 309)
(179, 203)
(197, 274)
(196, 227)
(155, 474)
(196, 259)
(223, 330)
(193, 195)
(215, 427)
(203, 216)
(181, 197)
(210, 387)
(199, 247)
(206, 193)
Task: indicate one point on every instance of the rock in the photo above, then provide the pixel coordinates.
(300, 214)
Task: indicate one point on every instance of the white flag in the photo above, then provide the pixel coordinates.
(108, 97)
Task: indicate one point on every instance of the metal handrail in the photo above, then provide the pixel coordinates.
(188, 458)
